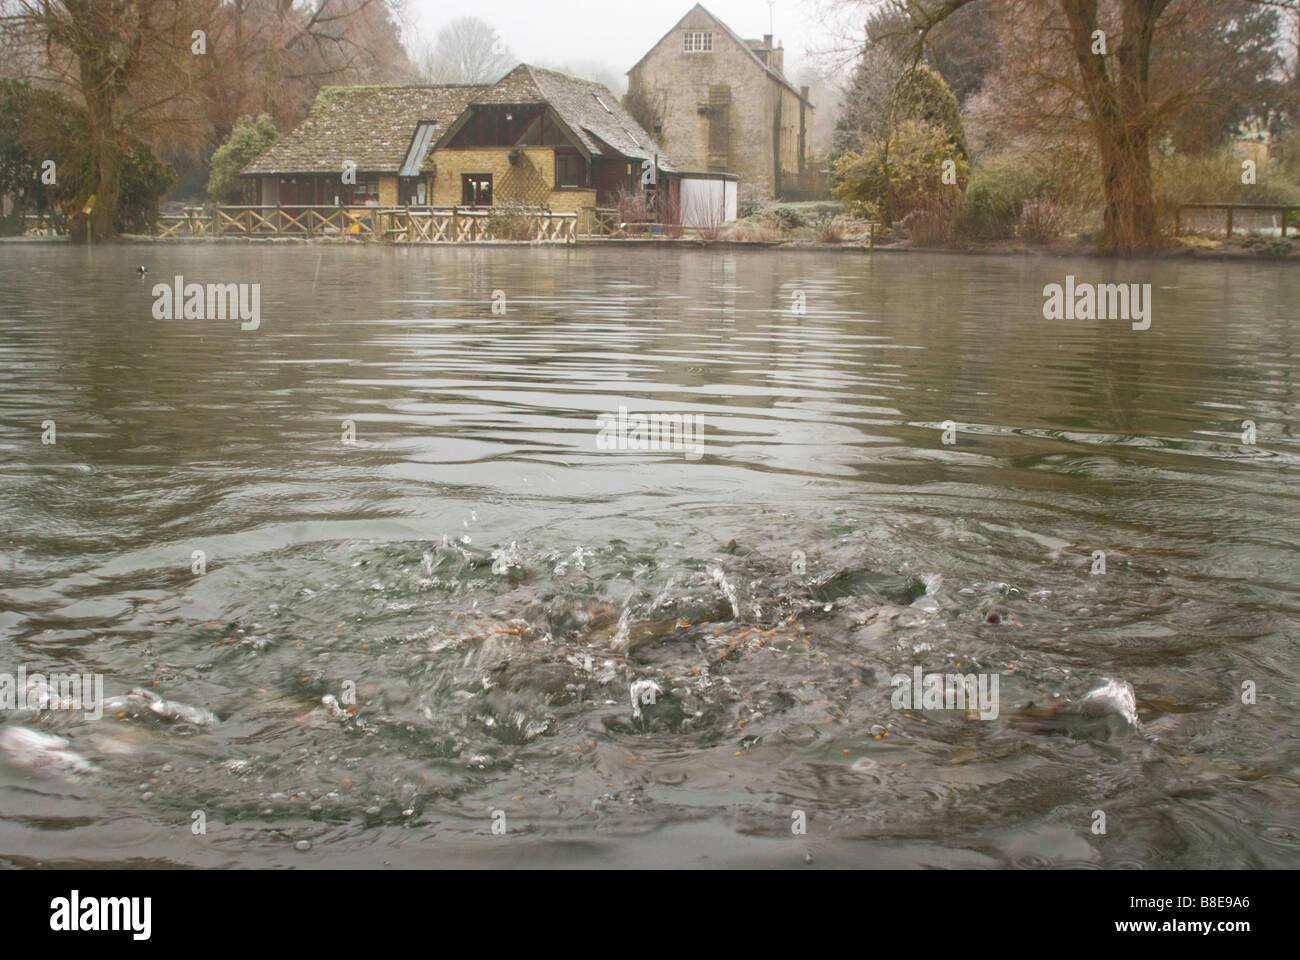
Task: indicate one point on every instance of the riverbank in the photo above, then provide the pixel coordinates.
(1202, 250)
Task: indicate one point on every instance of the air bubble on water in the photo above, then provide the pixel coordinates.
(302, 846)
(728, 590)
(622, 634)
(1119, 696)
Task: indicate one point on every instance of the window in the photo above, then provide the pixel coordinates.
(570, 170)
(476, 189)
(699, 42)
(364, 192)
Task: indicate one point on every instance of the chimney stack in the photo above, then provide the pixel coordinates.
(767, 40)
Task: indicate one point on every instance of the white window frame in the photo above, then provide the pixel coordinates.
(699, 41)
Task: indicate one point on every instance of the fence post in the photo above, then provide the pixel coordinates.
(1229, 221)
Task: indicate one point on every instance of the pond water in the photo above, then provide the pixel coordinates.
(403, 604)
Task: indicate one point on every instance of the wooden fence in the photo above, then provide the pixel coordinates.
(393, 224)
(1281, 215)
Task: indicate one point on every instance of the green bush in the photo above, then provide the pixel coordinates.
(1275, 247)
(751, 199)
(511, 221)
(993, 208)
(783, 218)
(249, 139)
(903, 175)
(144, 181)
(988, 212)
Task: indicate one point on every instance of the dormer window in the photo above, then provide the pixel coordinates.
(699, 42)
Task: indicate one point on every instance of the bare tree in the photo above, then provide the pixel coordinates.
(177, 72)
(467, 50)
(119, 56)
(1096, 61)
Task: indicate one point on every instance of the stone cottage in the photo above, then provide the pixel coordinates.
(535, 138)
(718, 102)
(541, 138)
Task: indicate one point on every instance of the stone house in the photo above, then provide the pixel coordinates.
(535, 137)
(542, 138)
(718, 102)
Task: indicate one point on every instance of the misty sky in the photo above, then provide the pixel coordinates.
(617, 33)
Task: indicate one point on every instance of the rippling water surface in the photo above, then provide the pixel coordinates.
(503, 600)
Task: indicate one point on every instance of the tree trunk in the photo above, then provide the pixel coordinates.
(1119, 102)
(106, 189)
(100, 120)
(1129, 221)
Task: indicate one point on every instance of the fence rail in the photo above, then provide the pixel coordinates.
(391, 224)
(1282, 215)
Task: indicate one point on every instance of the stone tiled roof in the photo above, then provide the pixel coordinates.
(595, 115)
(589, 109)
(370, 125)
(373, 126)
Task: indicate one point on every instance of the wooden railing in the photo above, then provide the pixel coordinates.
(392, 224)
(1282, 214)
(605, 221)
(43, 225)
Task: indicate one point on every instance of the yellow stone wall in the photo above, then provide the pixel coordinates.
(571, 201)
(451, 164)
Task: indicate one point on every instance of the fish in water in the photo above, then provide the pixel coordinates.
(1095, 715)
(34, 750)
(139, 699)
